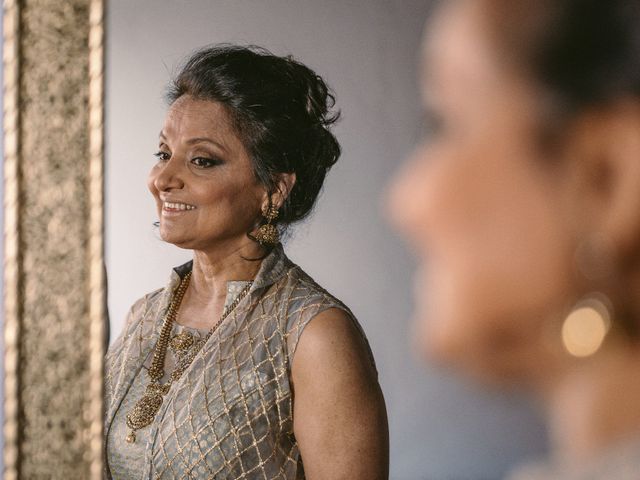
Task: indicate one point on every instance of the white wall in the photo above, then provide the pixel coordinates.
(366, 50)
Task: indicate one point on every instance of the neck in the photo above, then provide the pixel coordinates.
(213, 269)
(595, 406)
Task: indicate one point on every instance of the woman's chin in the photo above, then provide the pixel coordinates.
(173, 238)
(488, 369)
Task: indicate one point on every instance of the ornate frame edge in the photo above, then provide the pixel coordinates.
(11, 25)
(97, 283)
(12, 274)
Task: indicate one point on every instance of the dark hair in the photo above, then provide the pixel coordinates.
(585, 53)
(281, 110)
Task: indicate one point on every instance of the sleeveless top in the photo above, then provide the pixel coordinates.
(230, 416)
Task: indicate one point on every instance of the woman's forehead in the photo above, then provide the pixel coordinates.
(194, 111)
(456, 50)
(197, 118)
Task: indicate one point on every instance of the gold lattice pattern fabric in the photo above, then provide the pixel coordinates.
(230, 414)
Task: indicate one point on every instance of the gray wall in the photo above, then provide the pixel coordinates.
(367, 50)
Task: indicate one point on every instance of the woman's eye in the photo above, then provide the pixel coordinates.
(162, 156)
(203, 162)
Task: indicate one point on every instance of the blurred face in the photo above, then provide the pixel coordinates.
(483, 210)
(203, 182)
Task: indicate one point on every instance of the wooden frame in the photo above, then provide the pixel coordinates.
(54, 301)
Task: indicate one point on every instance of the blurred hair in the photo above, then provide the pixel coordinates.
(585, 53)
(281, 110)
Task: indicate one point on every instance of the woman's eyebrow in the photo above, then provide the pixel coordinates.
(191, 141)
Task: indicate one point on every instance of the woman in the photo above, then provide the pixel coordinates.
(242, 366)
(524, 207)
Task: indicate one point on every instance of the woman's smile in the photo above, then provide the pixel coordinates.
(172, 208)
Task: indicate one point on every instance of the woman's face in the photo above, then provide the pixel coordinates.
(483, 210)
(205, 189)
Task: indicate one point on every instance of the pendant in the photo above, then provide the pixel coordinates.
(181, 342)
(145, 409)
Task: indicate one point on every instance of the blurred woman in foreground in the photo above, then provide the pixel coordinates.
(524, 205)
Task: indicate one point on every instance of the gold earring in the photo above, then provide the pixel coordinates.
(267, 234)
(585, 328)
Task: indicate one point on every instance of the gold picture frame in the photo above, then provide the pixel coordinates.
(54, 282)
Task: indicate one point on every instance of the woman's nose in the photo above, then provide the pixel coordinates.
(169, 175)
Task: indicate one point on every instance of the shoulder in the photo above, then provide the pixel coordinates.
(333, 359)
(143, 306)
(142, 313)
(324, 319)
(301, 299)
(339, 409)
(305, 291)
(145, 309)
(334, 336)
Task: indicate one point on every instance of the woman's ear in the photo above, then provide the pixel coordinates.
(284, 185)
(603, 158)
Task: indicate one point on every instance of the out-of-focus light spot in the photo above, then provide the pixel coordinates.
(586, 327)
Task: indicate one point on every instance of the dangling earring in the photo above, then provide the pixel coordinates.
(585, 328)
(267, 234)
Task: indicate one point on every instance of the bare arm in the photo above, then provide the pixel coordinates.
(340, 420)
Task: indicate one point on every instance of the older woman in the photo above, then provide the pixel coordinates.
(524, 204)
(201, 382)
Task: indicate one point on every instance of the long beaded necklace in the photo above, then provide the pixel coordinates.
(146, 409)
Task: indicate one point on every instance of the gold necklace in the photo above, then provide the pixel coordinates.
(146, 409)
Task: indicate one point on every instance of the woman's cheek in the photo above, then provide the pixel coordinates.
(491, 279)
(447, 248)
(437, 326)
